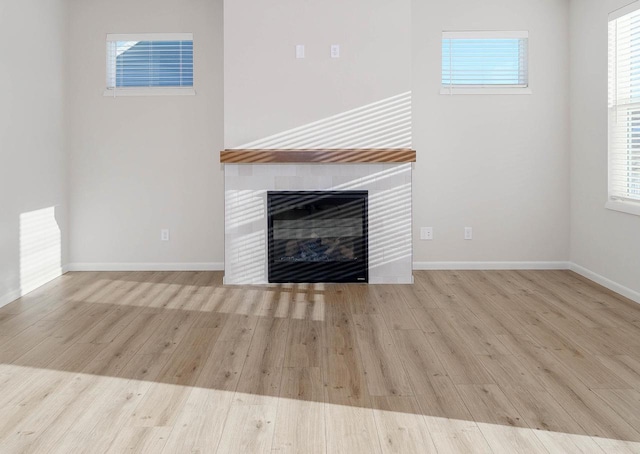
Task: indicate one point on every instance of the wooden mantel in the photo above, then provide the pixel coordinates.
(317, 155)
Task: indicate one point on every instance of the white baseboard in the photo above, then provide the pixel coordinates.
(605, 282)
(491, 265)
(214, 266)
(219, 266)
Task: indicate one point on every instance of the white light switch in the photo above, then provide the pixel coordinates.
(468, 233)
(426, 233)
(300, 51)
(335, 51)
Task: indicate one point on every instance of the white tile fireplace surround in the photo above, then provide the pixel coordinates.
(389, 187)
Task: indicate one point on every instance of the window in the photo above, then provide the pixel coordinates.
(145, 64)
(624, 110)
(485, 62)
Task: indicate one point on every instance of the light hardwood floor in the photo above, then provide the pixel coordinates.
(474, 361)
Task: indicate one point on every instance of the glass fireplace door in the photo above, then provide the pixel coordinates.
(317, 236)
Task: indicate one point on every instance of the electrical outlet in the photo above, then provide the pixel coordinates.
(426, 233)
(335, 51)
(164, 235)
(468, 233)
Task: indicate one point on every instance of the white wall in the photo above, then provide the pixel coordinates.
(32, 154)
(604, 242)
(361, 99)
(140, 164)
(269, 91)
(497, 163)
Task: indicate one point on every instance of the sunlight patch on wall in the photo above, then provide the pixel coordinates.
(382, 124)
(40, 249)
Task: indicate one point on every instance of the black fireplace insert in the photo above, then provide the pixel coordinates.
(318, 236)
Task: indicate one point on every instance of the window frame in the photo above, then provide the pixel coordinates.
(616, 103)
(478, 89)
(146, 91)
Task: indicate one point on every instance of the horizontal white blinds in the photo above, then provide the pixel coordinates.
(624, 107)
(151, 60)
(485, 59)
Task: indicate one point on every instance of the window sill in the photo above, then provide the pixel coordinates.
(624, 207)
(115, 93)
(485, 91)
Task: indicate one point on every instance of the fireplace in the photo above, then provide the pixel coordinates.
(317, 236)
(383, 175)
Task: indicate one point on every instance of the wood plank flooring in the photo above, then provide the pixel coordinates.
(459, 362)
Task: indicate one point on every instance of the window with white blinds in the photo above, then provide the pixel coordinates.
(624, 105)
(149, 63)
(485, 62)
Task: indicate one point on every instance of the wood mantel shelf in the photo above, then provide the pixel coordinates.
(317, 155)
